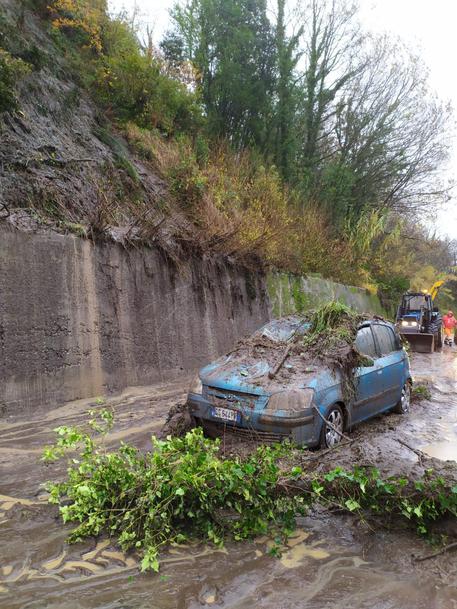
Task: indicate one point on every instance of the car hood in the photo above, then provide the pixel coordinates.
(251, 376)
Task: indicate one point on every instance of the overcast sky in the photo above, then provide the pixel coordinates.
(429, 27)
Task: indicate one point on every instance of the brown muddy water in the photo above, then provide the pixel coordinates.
(332, 561)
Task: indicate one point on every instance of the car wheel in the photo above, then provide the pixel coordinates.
(329, 436)
(404, 403)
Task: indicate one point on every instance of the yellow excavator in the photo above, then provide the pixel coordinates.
(419, 321)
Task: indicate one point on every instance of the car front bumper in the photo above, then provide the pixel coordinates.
(300, 427)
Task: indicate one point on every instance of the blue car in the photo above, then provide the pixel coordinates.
(306, 404)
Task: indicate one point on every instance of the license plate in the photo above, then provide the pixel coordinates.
(226, 414)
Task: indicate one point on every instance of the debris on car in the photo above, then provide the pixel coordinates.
(306, 378)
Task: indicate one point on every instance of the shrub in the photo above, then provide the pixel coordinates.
(134, 89)
(182, 489)
(80, 20)
(11, 71)
(133, 85)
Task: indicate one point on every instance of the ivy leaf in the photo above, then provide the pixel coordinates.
(352, 505)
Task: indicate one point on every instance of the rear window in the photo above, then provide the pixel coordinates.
(386, 339)
(364, 342)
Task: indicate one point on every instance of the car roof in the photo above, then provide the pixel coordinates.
(376, 321)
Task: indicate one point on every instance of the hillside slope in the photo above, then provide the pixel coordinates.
(62, 162)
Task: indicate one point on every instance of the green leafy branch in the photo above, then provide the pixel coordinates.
(184, 489)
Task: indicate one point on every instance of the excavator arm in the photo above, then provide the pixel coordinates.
(435, 289)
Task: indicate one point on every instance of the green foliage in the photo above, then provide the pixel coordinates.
(184, 489)
(270, 149)
(330, 317)
(180, 490)
(391, 287)
(419, 502)
(11, 71)
(299, 296)
(135, 89)
(34, 56)
(230, 44)
(187, 181)
(421, 391)
(129, 81)
(331, 338)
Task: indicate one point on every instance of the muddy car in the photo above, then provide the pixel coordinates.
(267, 390)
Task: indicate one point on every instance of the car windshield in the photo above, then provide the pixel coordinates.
(281, 330)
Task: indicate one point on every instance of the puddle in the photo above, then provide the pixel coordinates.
(446, 451)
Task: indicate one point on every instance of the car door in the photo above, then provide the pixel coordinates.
(369, 378)
(392, 360)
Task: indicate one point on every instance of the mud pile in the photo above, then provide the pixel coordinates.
(177, 423)
(324, 339)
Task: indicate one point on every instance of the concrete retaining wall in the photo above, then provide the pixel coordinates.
(293, 294)
(80, 320)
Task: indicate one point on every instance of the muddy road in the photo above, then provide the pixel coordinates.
(332, 561)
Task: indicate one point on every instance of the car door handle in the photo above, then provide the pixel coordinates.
(379, 371)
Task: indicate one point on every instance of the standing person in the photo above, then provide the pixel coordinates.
(449, 323)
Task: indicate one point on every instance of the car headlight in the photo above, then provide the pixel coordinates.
(196, 386)
(404, 323)
(291, 401)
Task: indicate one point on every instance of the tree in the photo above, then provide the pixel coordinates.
(332, 42)
(288, 54)
(390, 133)
(230, 42)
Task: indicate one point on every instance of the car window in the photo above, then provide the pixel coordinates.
(364, 342)
(386, 339)
(279, 330)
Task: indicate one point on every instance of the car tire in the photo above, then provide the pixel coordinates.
(405, 401)
(329, 437)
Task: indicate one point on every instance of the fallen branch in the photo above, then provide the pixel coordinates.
(279, 365)
(418, 452)
(340, 433)
(321, 453)
(451, 546)
(4, 208)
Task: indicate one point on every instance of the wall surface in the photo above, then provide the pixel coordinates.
(78, 320)
(293, 294)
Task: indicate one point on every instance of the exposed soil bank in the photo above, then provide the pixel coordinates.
(79, 320)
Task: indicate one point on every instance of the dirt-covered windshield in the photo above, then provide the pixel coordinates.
(282, 330)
